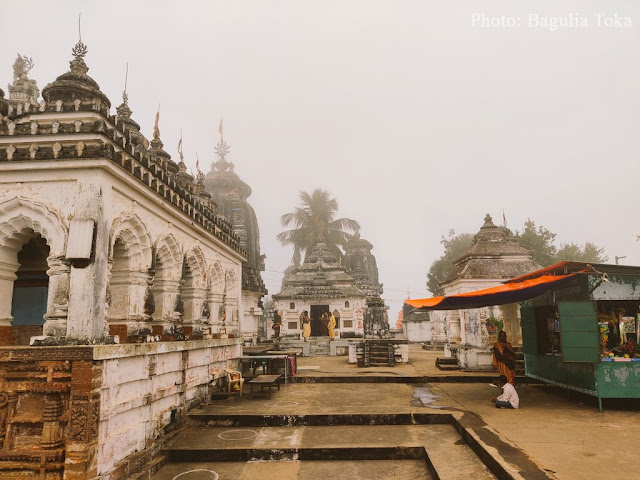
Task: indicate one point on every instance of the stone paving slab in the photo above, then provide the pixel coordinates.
(298, 470)
(567, 437)
(450, 456)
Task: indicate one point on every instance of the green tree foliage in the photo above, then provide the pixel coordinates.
(589, 252)
(312, 218)
(454, 247)
(538, 239)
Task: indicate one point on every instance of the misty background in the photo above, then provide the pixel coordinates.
(414, 120)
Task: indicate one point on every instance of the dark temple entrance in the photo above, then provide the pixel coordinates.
(317, 329)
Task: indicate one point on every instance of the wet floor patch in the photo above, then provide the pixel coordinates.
(424, 397)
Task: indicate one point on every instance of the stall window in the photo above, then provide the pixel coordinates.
(348, 324)
(292, 325)
(618, 328)
(548, 330)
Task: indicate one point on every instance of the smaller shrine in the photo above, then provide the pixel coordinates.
(469, 334)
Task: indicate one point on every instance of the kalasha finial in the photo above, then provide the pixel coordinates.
(222, 149)
(21, 67)
(125, 97)
(156, 130)
(80, 49)
(180, 148)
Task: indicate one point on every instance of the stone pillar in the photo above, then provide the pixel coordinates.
(453, 330)
(7, 277)
(86, 302)
(375, 324)
(510, 314)
(138, 323)
(59, 273)
(165, 294)
(215, 302)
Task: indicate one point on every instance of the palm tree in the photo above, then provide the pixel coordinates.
(313, 218)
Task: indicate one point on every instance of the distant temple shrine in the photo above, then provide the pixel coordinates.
(469, 335)
(230, 194)
(323, 283)
(116, 267)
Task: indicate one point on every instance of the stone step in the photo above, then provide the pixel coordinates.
(437, 446)
(446, 363)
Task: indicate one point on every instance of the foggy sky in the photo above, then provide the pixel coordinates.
(416, 121)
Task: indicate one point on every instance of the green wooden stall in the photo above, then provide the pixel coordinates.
(569, 333)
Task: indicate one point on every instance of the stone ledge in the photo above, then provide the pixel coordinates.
(29, 354)
(106, 352)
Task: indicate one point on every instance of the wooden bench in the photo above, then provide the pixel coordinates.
(263, 381)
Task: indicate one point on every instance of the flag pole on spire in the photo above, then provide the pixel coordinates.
(180, 147)
(220, 131)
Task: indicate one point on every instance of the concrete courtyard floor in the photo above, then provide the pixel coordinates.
(552, 435)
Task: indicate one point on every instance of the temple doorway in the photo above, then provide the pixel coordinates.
(30, 290)
(316, 312)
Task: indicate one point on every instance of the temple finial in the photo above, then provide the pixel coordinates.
(156, 130)
(125, 97)
(180, 148)
(80, 49)
(222, 150)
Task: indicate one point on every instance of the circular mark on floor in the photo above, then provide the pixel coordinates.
(281, 404)
(238, 434)
(197, 474)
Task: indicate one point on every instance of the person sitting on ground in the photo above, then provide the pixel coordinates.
(504, 358)
(509, 397)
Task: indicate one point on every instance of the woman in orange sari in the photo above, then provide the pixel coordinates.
(504, 358)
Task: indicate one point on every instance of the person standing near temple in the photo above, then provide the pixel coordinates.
(277, 323)
(324, 322)
(332, 327)
(504, 358)
(306, 325)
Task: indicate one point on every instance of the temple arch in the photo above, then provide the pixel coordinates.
(168, 271)
(32, 244)
(130, 268)
(130, 229)
(215, 291)
(194, 286)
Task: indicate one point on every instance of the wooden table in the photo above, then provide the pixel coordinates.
(289, 353)
(255, 361)
(263, 381)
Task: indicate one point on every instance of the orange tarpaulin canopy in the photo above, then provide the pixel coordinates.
(500, 295)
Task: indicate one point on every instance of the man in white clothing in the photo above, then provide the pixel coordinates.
(509, 397)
